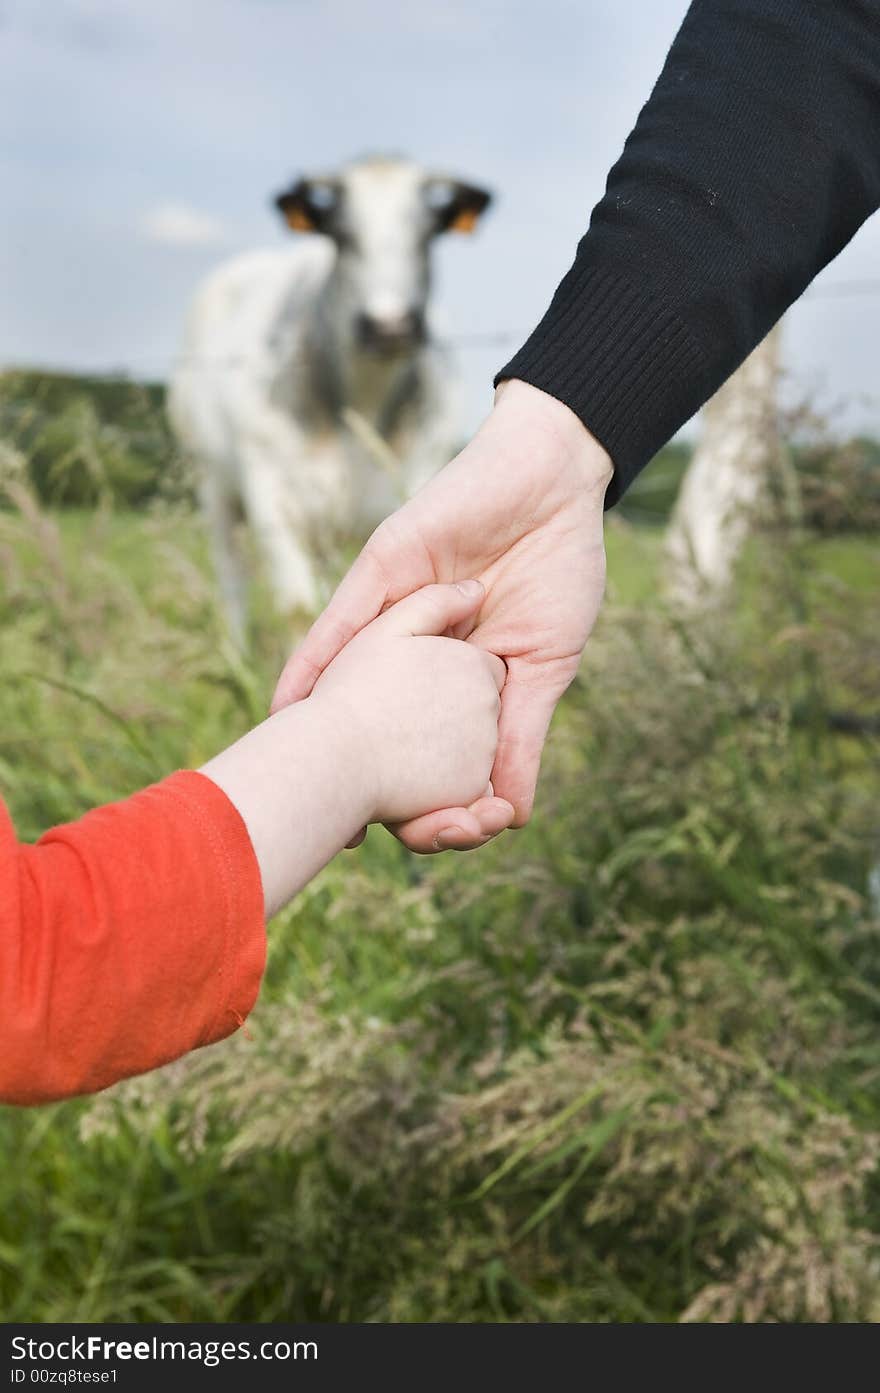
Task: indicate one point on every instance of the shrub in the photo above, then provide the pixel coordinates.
(91, 439)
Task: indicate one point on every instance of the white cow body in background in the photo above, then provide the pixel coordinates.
(727, 479)
(308, 373)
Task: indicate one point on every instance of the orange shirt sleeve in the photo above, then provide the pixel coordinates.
(126, 939)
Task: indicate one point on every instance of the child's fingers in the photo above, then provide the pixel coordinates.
(358, 599)
(498, 669)
(434, 608)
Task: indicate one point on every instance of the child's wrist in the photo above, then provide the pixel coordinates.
(339, 731)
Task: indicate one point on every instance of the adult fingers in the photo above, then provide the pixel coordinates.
(456, 829)
(526, 710)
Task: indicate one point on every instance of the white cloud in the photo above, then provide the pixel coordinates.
(177, 225)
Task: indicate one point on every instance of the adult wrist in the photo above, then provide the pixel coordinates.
(553, 430)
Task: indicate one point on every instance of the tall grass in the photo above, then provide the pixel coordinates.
(620, 1066)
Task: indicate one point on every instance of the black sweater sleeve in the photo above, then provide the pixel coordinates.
(755, 160)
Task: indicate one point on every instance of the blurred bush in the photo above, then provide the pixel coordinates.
(88, 439)
(840, 485)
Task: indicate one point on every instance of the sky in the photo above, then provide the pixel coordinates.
(141, 142)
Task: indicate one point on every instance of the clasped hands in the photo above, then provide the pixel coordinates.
(520, 509)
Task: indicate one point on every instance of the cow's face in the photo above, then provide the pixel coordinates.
(383, 215)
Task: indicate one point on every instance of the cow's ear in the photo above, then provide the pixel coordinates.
(457, 206)
(308, 205)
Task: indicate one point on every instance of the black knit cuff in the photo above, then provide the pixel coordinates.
(621, 359)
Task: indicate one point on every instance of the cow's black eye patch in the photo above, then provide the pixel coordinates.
(310, 205)
(454, 205)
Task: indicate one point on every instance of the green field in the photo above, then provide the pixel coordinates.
(620, 1066)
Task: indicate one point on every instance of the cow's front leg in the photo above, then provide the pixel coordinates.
(279, 524)
(219, 511)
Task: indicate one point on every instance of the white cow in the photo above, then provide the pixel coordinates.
(306, 371)
(728, 478)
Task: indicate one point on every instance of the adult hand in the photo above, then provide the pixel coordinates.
(521, 510)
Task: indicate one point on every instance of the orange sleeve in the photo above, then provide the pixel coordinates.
(126, 939)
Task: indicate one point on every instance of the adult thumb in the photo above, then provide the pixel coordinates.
(434, 608)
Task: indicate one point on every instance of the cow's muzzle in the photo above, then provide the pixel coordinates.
(390, 334)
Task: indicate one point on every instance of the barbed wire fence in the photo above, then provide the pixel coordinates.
(498, 338)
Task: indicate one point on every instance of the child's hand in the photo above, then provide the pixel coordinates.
(421, 710)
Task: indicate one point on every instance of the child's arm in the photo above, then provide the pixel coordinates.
(126, 939)
(136, 934)
(387, 729)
